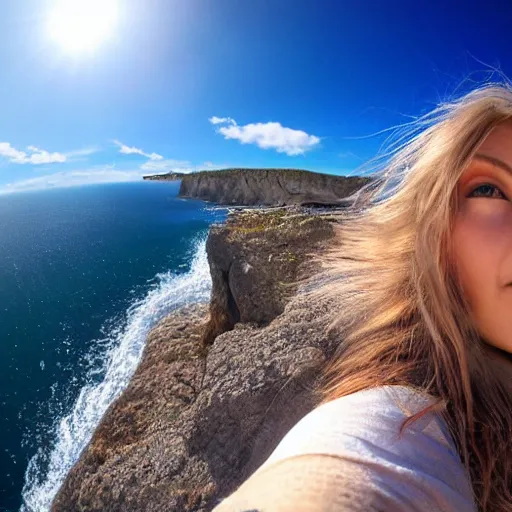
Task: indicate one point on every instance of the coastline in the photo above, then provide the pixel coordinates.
(150, 280)
(179, 437)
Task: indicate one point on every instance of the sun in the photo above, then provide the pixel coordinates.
(80, 26)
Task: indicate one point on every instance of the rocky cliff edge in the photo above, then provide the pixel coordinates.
(220, 385)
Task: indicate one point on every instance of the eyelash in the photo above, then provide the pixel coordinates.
(494, 187)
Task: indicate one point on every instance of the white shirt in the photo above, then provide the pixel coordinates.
(348, 454)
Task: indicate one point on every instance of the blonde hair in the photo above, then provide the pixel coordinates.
(400, 309)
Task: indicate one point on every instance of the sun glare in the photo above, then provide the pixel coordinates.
(82, 25)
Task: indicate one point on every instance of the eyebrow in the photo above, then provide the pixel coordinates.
(494, 161)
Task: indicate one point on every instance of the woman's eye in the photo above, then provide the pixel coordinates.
(487, 190)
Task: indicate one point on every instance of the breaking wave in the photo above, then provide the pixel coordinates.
(124, 343)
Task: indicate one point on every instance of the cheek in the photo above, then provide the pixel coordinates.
(479, 240)
(480, 237)
(473, 266)
(482, 257)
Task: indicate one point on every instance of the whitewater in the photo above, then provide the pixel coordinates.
(124, 345)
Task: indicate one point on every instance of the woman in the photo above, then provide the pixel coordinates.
(417, 402)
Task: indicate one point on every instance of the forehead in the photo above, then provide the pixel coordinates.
(498, 144)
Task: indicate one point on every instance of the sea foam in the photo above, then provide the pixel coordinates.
(48, 468)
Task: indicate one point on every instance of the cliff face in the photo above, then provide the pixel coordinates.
(215, 391)
(270, 187)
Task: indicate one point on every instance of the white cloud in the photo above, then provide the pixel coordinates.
(157, 164)
(183, 166)
(267, 136)
(211, 165)
(98, 174)
(33, 155)
(162, 166)
(130, 150)
(221, 120)
(106, 174)
(78, 153)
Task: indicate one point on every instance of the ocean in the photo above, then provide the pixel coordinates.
(85, 273)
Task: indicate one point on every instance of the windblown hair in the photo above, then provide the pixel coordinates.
(401, 314)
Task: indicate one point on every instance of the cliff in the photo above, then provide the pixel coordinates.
(171, 176)
(217, 387)
(269, 187)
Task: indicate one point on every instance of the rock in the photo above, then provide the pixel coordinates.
(268, 187)
(206, 406)
(274, 245)
(134, 456)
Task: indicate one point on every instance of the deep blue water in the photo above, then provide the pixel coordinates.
(84, 274)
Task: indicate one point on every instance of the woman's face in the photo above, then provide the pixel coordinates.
(483, 237)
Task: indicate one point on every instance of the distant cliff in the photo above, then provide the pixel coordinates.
(266, 187)
(171, 176)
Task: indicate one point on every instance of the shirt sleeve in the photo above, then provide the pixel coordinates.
(349, 455)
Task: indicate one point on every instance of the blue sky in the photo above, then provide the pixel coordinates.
(185, 85)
